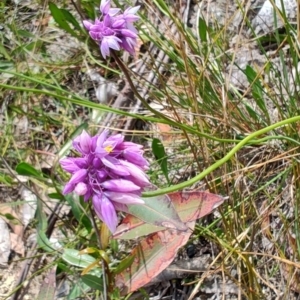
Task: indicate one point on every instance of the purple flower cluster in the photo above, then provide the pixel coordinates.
(110, 171)
(114, 30)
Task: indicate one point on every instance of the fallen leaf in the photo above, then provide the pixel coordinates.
(133, 228)
(42, 21)
(157, 251)
(17, 244)
(189, 205)
(194, 205)
(291, 276)
(165, 132)
(153, 254)
(158, 211)
(4, 243)
(289, 272)
(16, 237)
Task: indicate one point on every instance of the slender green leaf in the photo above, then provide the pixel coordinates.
(60, 18)
(257, 88)
(6, 179)
(26, 169)
(161, 4)
(202, 29)
(5, 54)
(93, 281)
(78, 290)
(160, 156)
(70, 18)
(73, 257)
(56, 196)
(124, 264)
(42, 239)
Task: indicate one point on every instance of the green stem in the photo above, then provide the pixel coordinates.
(86, 103)
(222, 160)
(105, 108)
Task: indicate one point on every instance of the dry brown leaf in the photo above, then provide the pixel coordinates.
(14, 224)
(137, 48)
(292, 277)
(265, 223)
(291, 274)
(17, 244)
(164, 131)
(16, 237)
(4, 243)
(42, 22)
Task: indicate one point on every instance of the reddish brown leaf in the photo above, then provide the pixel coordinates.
(190, 206)
(156, 251)
(132, 228)
(195, 205)
(159, 211)
(153, 254)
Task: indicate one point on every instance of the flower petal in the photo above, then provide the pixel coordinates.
(131, 10)
(112, 42)
(137, 175)
(82, 143)
(118, 138)
(100, 151)
(131, 145)
(127, 45)
(81, 189)
(113, 141)
(105, 210)
(109, 42)
(95, 36)
(124, 198)
(105, 6)
(120, 207)
(115, 166)
(101, 175)
(129, 33)
(118, 24)
(87, 24)
(113, 11)
(104, 49)
(69, 165)
(69, 187)
(120, 185)
(135, 158)
(88, 195)
(78, 176)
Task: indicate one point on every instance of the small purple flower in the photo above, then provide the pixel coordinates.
(114, 29)
(109, 171)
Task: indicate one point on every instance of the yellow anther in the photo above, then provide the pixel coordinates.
(108, 149)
